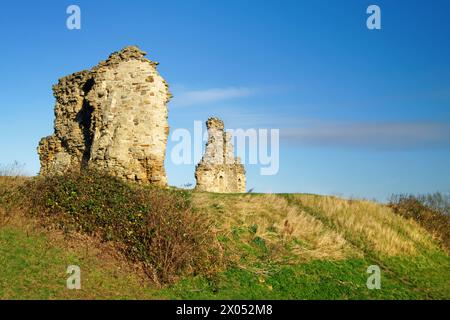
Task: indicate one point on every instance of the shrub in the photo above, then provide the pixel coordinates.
(428, 211)
(152, 225)
(436, 201)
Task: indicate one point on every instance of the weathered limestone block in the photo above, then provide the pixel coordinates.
(111, 118)
(219, 170)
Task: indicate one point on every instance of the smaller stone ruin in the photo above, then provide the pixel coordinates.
(219, 170)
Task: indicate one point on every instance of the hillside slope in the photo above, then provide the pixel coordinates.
(291, 246)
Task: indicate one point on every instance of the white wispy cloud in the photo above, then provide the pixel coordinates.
(370, 134)
(185, 98)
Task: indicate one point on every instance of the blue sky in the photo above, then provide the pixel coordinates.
(361, 113)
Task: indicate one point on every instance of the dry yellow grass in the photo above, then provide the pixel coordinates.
(278, 223)
(373, 224)
(333, 229)
(8, 187)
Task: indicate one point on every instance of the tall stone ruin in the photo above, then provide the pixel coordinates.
(219, 170)
(111, 118)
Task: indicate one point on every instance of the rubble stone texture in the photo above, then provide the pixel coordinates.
(111, 118)
(219, 170)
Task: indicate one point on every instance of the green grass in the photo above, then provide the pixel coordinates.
(32, 268)
(315, 280)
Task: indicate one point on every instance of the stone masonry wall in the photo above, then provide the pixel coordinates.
(219, 170)
(112, 118)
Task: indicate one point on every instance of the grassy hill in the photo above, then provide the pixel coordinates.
(254, 246)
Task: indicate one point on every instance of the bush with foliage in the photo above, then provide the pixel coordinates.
(154, 226)
(430, 211)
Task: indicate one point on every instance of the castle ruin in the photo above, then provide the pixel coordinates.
(111, 118)
(219, 170)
